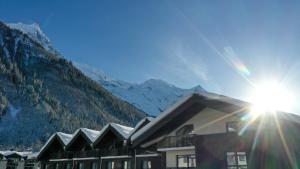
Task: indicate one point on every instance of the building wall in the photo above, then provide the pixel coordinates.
(118, 162)
(201, 120)
(3, 164)
(21, 165)
(156, 162)
(171, 156)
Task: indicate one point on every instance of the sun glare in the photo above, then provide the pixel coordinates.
(270, 97)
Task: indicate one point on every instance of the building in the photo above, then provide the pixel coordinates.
(53, 155)
(31, 162)
(16, 160)
(206, 131)
(218, 132)
(108, 148)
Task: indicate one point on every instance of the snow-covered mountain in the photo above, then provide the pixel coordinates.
(34, 32)
(41, 92)
(152, 96)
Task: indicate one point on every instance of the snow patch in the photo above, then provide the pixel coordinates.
(16, 45)
(6, 52)
(14, 111)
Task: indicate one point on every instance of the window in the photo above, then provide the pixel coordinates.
(186, 161)
(68, 166)
(236, 160)
(111, 165)
(126, 164)
(81, 165)
(94, 165)
(146, 164)
(57, 166)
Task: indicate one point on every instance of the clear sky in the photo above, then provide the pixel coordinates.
(224, 46)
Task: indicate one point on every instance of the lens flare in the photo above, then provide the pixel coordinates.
(271, 97)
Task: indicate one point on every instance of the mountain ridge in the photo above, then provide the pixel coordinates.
(41, 93)
(152, 96)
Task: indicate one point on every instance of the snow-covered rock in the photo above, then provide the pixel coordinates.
(34, 32)
(152, 96)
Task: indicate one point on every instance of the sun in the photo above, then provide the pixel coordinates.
(271, 96)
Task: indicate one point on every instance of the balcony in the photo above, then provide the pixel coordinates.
(176, 141)
(60, 155)
(87, 153)
(115, 152)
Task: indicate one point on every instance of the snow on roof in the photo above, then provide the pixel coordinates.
(91, 134)
(65, 138)
(32, 155)
(123, 130)
(210, 96)
(4, 153)
(9, 152)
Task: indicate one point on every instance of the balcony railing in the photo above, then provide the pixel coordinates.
(176, 141)
(60, 155)
(87, 153)
(114, 152)
(91, 153)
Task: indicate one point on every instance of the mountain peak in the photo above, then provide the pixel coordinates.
(152, 96)
(34, 32)
(157, 82)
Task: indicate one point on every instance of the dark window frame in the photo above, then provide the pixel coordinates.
(147, 164)
(92, 164)
(236, 158)
(188, 160)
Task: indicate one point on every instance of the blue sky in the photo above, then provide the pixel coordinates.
(224, 46)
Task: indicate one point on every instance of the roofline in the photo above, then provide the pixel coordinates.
(206, 96)
(105, 131)
(75, 136)
(160, 117)
(50, 140)
(138, 126)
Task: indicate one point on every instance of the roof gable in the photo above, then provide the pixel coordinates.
(120, 131)
(62, 138)
(88, 135)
